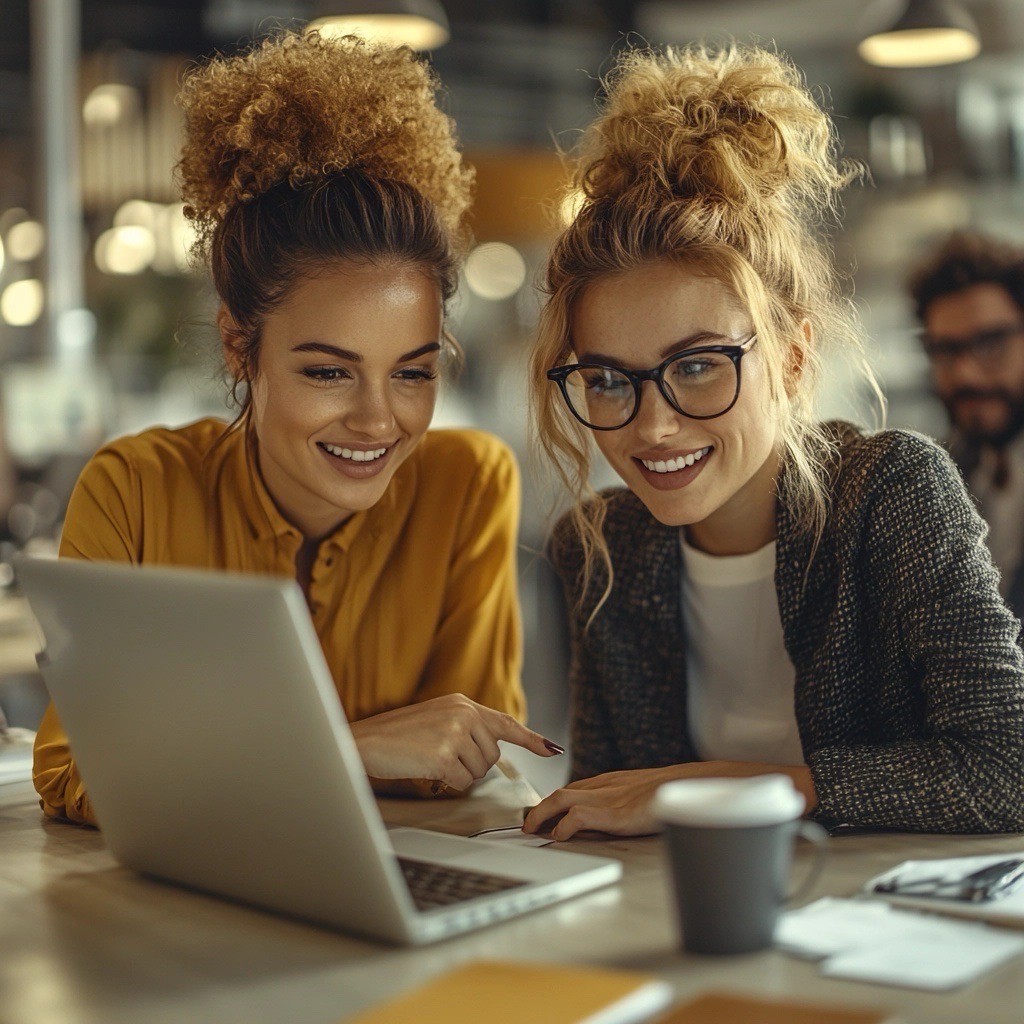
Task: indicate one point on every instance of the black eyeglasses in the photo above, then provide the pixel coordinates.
(987, 348)
(700, 383)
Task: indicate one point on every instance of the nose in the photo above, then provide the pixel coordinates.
(655, 419)
(959, 370)
(370, 412)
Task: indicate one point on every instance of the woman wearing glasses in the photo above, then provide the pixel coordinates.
(330, 197)
(767, 593)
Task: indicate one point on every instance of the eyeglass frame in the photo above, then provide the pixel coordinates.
(558, 375)
(944, 352)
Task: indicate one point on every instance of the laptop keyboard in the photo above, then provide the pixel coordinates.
(435, 885)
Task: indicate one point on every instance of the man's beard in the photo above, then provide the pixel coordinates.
(997, 439)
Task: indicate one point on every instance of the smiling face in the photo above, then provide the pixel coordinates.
(344, 388)
(982, 387)
(716, 476)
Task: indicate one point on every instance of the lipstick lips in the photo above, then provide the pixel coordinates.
(359, 470)
(673, 481)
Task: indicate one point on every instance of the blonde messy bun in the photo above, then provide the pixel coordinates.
(299, 107)
(735, 128)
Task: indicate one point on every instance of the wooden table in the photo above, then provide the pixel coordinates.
(83, 940)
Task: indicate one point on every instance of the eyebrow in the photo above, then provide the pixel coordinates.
(355, 357)
(712, 337)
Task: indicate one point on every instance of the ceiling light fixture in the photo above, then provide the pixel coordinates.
(928, 33)
(419, 24)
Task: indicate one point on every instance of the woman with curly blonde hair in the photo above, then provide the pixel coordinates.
(768, 593)
(330, 196)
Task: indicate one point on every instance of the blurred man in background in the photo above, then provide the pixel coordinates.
(969, 297)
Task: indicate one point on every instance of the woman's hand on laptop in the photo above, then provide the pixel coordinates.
(620, 803)
(451, 739)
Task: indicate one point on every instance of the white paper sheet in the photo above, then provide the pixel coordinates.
(514, 837)
(832, 926)
(935, 962)
(866, 940)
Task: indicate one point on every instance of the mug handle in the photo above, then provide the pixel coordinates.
(815, 834)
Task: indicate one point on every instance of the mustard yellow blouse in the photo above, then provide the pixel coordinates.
(411, 599)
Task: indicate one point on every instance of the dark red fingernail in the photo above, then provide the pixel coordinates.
(554, 747)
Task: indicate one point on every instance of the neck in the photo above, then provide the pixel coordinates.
(300, 510)
(746, 522)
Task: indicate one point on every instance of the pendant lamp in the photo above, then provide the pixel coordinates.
(928, 33)
(419, 24)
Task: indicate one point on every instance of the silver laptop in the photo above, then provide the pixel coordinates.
(206, 725)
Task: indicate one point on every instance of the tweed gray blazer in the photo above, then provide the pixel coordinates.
(909, 693)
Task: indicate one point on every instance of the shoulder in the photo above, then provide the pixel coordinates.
(158, 454)
(897, 478)
(891, 457)
(162, 447)
(624, 516)
(468, 473)
(465, 450)
(466, 458)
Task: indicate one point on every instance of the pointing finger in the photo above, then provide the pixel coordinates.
(505, 727)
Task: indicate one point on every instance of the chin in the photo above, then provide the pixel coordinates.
(358, 499)
(670, 511)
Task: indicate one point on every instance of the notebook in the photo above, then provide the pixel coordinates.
(501, 992)
(731, 1008)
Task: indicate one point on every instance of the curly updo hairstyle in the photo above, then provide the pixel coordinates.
(722, 162)
(306, 151)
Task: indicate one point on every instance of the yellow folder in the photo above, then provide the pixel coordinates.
(499, 992)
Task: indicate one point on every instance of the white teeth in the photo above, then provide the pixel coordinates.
(674, 465)
(355, 455)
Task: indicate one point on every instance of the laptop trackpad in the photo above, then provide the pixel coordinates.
(423, 845)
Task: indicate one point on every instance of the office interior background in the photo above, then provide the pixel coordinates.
(106, 328)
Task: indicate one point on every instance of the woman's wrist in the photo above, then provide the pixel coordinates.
(806, 786)
(804, 782)
(364, 733)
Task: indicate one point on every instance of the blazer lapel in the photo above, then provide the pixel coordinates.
(806, 587)
(648, 609)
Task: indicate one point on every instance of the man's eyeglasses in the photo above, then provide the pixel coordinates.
(986, 347)
(700, 383)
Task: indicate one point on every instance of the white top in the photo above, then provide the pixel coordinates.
(739, 676)
(1003, 510)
